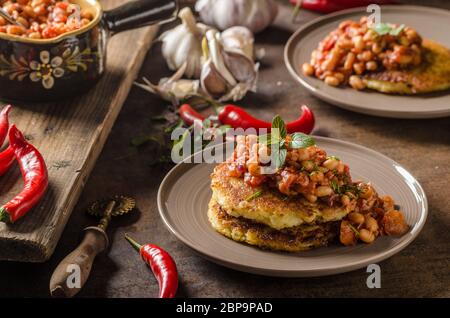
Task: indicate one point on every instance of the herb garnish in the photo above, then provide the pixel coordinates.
(353, 229)
(342, 189)
(335, 186)
(278, 123)
(386, 28)
(254, 195)
(301, 140)
(276, 139)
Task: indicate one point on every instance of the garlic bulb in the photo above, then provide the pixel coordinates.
(228, 70)
(253, 14)
(226, 75)
(238, 38)
(183, 44)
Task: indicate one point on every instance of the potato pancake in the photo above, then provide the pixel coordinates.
(432, 75)
(296, 239)
(271, 207)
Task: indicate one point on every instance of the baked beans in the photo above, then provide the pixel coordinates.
(319, 179)
(355, 49)
(43, 19)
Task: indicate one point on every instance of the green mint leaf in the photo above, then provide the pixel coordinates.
(265, 139)
(253, 196)
(382, 28)
(278, 123)
(270, 139)
(386, 28)
(301, 140)
(278, 157)
(207, 123)
(396, 31)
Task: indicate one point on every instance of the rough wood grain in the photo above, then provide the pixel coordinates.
(70, 134)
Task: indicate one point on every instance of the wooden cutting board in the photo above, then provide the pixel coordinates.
(70, 135)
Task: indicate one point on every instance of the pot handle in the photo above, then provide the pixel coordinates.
(140, 13)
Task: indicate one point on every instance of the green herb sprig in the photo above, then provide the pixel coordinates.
(254, 195)
(276, 139)
(345, 188)
(353, 229)
(386, 28)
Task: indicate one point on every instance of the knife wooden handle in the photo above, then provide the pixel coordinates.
(73, 271)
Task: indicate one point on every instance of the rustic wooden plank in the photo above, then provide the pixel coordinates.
(70, 134)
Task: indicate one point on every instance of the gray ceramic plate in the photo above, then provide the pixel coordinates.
(183, 202)
(431, 23)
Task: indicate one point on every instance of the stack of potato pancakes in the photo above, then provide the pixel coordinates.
(271, 220)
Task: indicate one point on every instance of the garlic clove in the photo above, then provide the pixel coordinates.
(211, 80)
(239, 91)
(227, 75)
(215, 52)
(240, 66)
(239, 38)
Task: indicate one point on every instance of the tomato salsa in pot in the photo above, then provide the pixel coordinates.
(43, 19)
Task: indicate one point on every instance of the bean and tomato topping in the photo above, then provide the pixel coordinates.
(356, 48)
(317, 177)
(309, 172)
(43, 19)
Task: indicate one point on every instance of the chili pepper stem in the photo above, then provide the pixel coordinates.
(133, 243)
(4, 216)
(296, 10)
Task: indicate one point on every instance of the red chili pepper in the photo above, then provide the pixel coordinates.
(35, 176)
(305, 123)
(189, 115)
(4, 123)
(322, 6)
(6, 160)
(162, 266)
(360, 3)
(327, 6)
(6, 156)
(236, 117)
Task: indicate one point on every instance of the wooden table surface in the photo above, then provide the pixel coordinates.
(421, 146)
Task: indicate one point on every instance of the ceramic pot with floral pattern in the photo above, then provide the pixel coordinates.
(67, 65)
